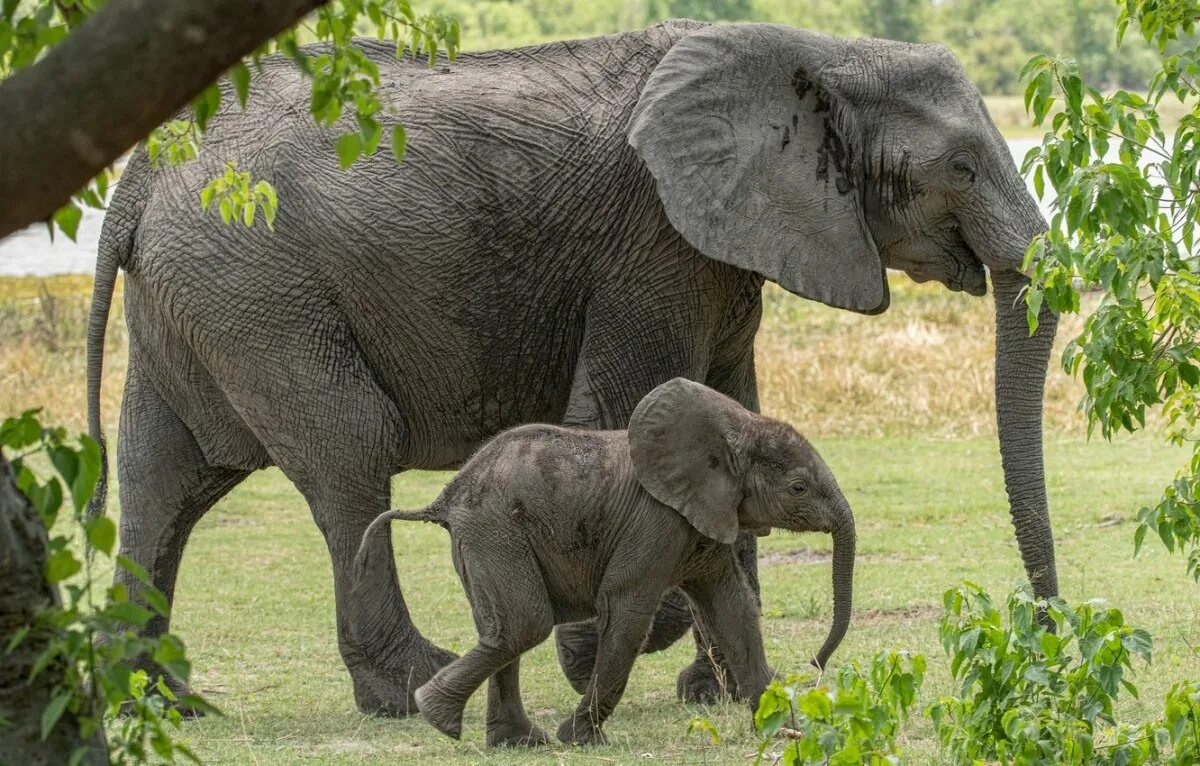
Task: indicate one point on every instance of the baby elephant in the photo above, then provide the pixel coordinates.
(550, 525)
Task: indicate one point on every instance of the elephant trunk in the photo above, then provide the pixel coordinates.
(843, 588)
(1021, 363)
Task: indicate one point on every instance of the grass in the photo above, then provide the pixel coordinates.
(900, 405)
(255, 604)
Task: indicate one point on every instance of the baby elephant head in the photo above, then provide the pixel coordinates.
(726, 469)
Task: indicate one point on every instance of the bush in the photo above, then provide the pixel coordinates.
(94, 681)
(853, 722)
(1029, 695)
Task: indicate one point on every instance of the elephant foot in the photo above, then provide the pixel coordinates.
(701, 683)
(516, 734)
(442, 711)
(575, 731)
(391, 693)
(576, 646)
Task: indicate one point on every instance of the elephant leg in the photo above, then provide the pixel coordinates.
(728, 617)
(709, 678)
(337, 436)
(386, 655)
(507, 722)
(165, 487)
(441, 700)
(576, 642)
(512, 614)
(622, 624)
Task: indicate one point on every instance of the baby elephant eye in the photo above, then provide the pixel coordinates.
(799, 487)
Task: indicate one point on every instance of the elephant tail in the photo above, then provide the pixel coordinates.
(375, 538)
(117, 239)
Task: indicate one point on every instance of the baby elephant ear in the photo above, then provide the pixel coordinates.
(683, 439)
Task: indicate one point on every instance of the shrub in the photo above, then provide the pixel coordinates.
(854, 721)
(1028, 695)
(95, 681)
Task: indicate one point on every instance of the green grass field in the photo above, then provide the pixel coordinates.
(254, 604)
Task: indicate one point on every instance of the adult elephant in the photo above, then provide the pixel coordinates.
(574, 224)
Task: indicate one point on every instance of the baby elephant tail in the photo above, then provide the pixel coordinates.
(376, 534)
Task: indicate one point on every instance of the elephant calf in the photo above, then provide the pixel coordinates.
(551, 526)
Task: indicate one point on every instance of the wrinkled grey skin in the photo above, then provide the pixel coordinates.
(575, 224)
(551, 525)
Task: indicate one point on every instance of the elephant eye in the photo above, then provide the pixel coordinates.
(799, 487)
(964, 169)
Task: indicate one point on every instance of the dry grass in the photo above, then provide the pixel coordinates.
(924, 367)
(43, 354)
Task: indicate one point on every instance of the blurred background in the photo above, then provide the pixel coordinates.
(993, 38)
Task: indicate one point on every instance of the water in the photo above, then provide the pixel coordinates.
(31, 252)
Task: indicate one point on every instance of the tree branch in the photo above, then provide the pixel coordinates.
(115, 78)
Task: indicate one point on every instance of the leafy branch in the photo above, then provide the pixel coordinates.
(1127, 224)
(91, 646)
(343, 77)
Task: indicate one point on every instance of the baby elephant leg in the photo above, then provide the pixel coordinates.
(512, 614)
(622, 624)
(442, 698)
(507, 722)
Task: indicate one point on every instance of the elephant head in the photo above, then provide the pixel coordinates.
(726, 470)
(820, 162)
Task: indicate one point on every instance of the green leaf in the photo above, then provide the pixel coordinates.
(129, 612)
(240, 76)
(399, 142)
(349, 146)
(135, 569)
(67, 219)
(54, 711)
(17, 637)
(706, 726)
(84, 483)
(66, 462)
(1189, 373)
(157, 601)
(60, 565)
(102, 534)
(206, 105)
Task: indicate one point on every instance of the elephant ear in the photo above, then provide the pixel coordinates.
(684, 441)
(750, 133)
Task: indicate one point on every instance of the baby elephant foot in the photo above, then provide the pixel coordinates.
(700, 683)
(516, 734)
(443, 711)
(575, 731)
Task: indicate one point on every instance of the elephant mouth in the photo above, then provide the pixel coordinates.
(970, 276)
(943, 257)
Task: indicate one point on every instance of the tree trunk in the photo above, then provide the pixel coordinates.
(23, 592)
(114, 79)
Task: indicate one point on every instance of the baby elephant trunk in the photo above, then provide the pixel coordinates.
(843, 585)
